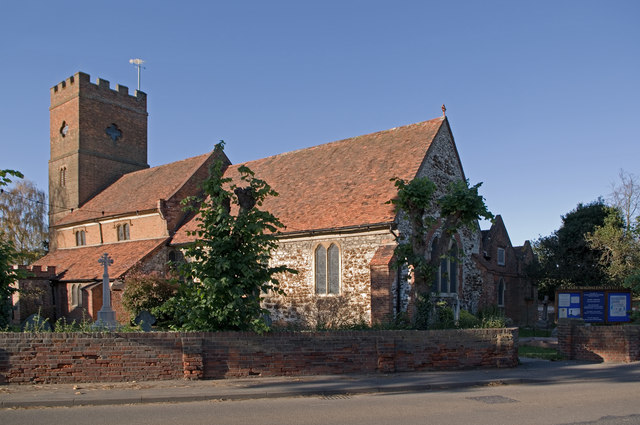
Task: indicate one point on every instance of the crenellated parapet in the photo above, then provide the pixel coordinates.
(69, 88)
(38, 272)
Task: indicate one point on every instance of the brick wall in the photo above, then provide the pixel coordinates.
(84, 357)
(92, 159)
(578, 341)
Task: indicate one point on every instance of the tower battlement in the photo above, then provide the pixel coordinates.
(69, 88)
(37, 271)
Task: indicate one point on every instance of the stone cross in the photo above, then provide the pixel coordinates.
(106, 315)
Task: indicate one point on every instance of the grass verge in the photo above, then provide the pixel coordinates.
(539, 353)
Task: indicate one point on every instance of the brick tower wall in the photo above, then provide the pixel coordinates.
(91, 157)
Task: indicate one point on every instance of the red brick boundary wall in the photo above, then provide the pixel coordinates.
(578, 341)
(98, 357)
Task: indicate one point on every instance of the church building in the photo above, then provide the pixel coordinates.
(340, 232)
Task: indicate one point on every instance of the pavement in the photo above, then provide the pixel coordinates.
(530, 371)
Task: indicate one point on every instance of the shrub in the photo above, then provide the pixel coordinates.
(468, 320)
(492, 317)
(146, 292)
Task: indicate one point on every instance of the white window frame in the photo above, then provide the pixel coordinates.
(501, 258)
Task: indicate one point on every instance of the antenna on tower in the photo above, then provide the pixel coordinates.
(138, 64)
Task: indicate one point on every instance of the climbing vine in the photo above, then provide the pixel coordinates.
(416, 202)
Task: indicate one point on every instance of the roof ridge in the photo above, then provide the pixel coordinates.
(164, 165)
(336, 142)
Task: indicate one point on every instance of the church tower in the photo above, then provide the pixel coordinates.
(96, 135)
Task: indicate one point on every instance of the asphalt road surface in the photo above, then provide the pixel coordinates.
(602, 403)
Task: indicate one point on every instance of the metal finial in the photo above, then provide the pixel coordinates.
(444, 111)
(138, 64)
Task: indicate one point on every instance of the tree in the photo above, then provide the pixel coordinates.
(626, 197)
(618, 238)
(619, 248)
(565, 257)
(8, 258)
(23, 218)
(460, 206)
(228, 265)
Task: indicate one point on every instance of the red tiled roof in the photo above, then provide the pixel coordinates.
(340, 184)
(77, 264)
(137, 191)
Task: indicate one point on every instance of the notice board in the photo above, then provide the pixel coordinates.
(594, 305)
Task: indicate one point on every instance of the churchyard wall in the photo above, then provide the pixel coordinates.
(580, 341)
(102, 357)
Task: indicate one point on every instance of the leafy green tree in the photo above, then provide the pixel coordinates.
(23, 218)
(460, 206)
(8, 257)
(228, 264)
(618, 238)
(619, 247)
(565, 257)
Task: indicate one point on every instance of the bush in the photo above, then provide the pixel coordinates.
(146, 292)
(492, 317)
(468, 320)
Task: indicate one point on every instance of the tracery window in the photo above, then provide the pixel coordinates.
(327, 269)
(446, 277)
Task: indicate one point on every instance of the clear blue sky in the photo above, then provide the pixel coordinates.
(543, 97)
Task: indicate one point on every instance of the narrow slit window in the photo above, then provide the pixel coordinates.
(63, 176)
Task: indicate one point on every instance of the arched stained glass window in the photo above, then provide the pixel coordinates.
(334, 269)
(321, 269)
(327, 269)
(447, 276)
(453, 268)
(434, 254)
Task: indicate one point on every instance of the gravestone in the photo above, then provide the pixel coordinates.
(145, 320)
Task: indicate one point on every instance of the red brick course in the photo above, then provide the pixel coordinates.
(92, 357)
(579, 341)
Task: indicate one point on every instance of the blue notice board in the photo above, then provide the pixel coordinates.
(619, 306)
(593, 306)
(569, 305)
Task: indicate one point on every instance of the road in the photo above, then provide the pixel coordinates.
(575, 403)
